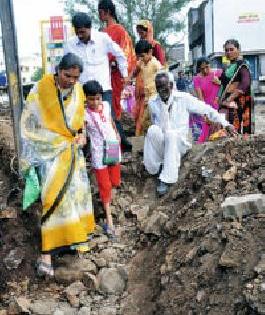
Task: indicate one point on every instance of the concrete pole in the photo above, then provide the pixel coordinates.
(12, 68)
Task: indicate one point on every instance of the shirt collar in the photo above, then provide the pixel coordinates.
(92, 38)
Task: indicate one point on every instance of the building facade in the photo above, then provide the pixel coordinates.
(215, 21)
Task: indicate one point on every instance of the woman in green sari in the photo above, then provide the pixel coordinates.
(235, 94)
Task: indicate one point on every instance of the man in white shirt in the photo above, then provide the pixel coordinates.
(167, 139)
(93, 48)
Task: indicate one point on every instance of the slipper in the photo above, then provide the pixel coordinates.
(44, 269)
(110, 232)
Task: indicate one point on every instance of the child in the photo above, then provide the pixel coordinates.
(100, 127)
(146, 69)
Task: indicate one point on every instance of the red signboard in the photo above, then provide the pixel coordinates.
(56, 27)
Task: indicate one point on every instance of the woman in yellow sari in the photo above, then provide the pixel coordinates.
(52, 136)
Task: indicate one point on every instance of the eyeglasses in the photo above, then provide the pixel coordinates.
(229, 49)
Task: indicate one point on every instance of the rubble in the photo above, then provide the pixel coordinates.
(197, 250)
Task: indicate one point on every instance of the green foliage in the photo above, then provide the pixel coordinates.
(37, 75)
(164, 14)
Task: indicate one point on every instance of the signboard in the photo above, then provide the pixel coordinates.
(53, 34)
(56, 24)
(243, 20)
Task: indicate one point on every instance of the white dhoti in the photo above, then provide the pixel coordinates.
(166, 149)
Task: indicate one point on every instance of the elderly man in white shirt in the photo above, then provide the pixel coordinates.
(167, 138)
(94, 47)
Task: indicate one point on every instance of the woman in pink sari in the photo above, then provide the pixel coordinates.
(206, 85)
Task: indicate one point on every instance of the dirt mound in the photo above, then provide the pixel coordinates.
(207, 261)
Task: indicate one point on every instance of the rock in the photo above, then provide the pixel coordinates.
(237, 207)
(260, 268)
(107, 311)
(91, 281)
(3, 312)
(230, 174)
(73, 291)
(155, 223)
(13, 259)
(23, 305)
(65, 309)
(111, 281)
(74, 270)
(141, 212)
(84, 311)
(100, 262)
(8, 213)
(75, 288)
(109, 255)
(43, 307)
(228, 260)
(200, 296)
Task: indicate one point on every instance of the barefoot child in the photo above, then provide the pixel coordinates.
(101, 130)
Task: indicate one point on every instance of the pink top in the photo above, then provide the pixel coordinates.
(208, 88)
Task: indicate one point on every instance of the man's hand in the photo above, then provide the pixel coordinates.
(231, 131)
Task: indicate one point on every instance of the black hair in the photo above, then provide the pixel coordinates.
(69, 61)
(200, 61)
(92, 88)
(232, 42)
(81, 19)
(142, 27)
(109, 6)
(160, 75)
(142, 46)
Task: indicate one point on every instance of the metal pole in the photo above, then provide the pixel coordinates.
(12, 67)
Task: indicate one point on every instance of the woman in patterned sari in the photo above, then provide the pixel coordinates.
(235, 94)
(51, 131)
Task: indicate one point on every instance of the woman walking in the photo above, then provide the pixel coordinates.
(51, 131)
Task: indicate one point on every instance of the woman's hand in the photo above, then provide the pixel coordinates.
(80, 139)
(216, 80)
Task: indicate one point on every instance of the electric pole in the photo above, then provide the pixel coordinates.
(12, 67)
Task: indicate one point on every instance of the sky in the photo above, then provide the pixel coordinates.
(28, 13)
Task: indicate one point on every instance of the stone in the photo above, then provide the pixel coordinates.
(109, 254)
(200, 296)
(155, 223)
(100, 262)
(84, 311)
(230, 174)
(75, 288)
(74, 270)
(23, 305)
(3, 312)
(237, 207)
(91, 281)
(111, 281)
(13, 259)
(73, 292)
(141, 212)
(8, 213)
(43, 307)
(107, 310)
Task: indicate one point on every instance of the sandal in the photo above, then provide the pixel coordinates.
(110, 232)
(44, 269)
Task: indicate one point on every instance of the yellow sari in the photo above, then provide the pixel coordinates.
(48, 132)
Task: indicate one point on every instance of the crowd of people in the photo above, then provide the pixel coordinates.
(82, 101)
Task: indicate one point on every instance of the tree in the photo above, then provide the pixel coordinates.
(37, 75)
(164, 14)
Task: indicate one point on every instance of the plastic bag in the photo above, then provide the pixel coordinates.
(32, 188)
(128, 99)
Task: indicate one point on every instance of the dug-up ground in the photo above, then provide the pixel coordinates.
(194, 251)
